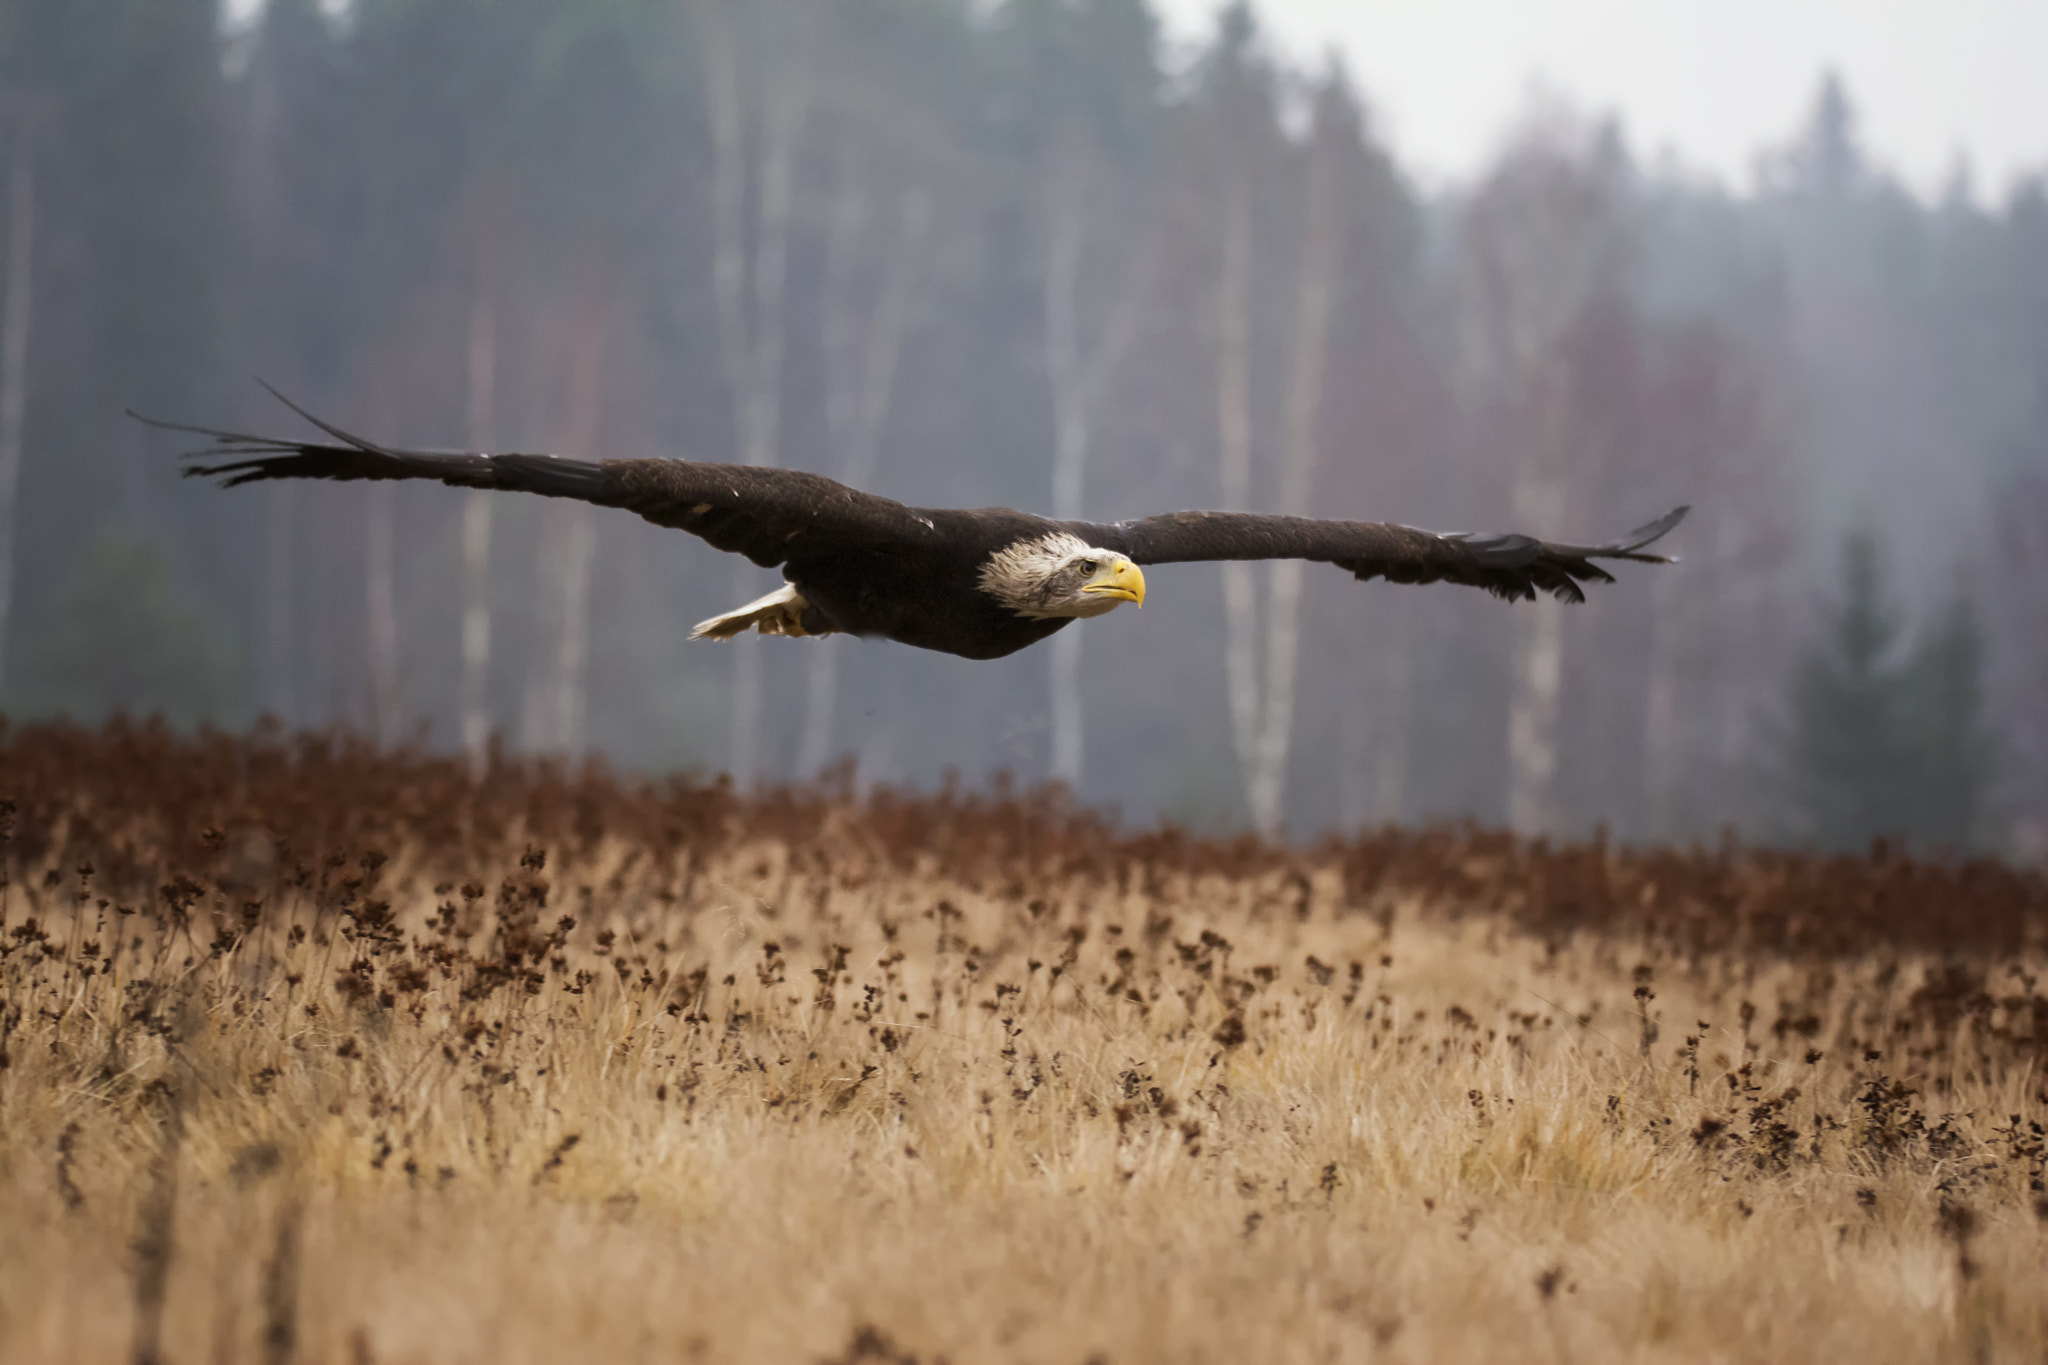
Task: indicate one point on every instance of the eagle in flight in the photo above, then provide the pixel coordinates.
(980, 583)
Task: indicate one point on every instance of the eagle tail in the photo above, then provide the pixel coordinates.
(779, 613)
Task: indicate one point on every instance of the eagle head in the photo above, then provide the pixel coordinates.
(1061, 575)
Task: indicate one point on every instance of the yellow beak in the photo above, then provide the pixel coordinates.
(1120, 579)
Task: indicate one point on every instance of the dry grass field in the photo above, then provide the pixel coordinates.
(309, 1054)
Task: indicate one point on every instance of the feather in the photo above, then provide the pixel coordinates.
(866, 565)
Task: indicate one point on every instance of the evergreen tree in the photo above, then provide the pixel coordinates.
(127, 638)
(1828, 157)
(1943, 736)
(1888, 740)
(1846, 753)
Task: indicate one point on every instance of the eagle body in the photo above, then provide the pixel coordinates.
(980, 583)
(926, 594)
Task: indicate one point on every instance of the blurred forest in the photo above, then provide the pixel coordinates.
(1019, 254)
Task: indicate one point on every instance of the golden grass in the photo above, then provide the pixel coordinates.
(811, 1096)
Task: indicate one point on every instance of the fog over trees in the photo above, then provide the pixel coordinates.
(1017, 254)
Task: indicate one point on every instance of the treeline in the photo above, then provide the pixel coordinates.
(1024, 256)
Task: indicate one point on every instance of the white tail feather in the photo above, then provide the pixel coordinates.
(779, 613)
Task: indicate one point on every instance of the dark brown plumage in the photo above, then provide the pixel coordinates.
(979, 583)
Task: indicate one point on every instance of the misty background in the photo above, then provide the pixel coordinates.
(1034, 254)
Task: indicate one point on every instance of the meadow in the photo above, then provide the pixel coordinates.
(312, 1053)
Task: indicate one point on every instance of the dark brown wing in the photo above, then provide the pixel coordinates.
(1509, 566)
(768, 515)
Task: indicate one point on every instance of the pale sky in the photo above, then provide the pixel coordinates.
(1710, 82)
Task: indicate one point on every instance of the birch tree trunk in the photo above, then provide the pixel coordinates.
(539, 706)
(579, 539)
(1373, 781)
(1662, 740)
(728, 287)
(846, 228)
(860, 386)
(782, 121)
(283, 547)
(1063, 366)
(478, 509)
(280, 565)
(1078, 373)
(1535, 701)
(553, 712)
(381, 600)
(1549, 281)
(14, 334)
(1262, 699)
(751, 319)
(572, 650)
(1308, 359)
(728, 201)
(1546, 234)
(1393, 707)
(1533, 714)
(1234, 459)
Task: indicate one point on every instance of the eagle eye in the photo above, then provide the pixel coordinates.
(1088, 566)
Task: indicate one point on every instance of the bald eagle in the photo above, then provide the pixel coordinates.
(978, 583)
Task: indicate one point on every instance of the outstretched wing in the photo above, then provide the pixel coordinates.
(768, 515)
(1507, 566)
